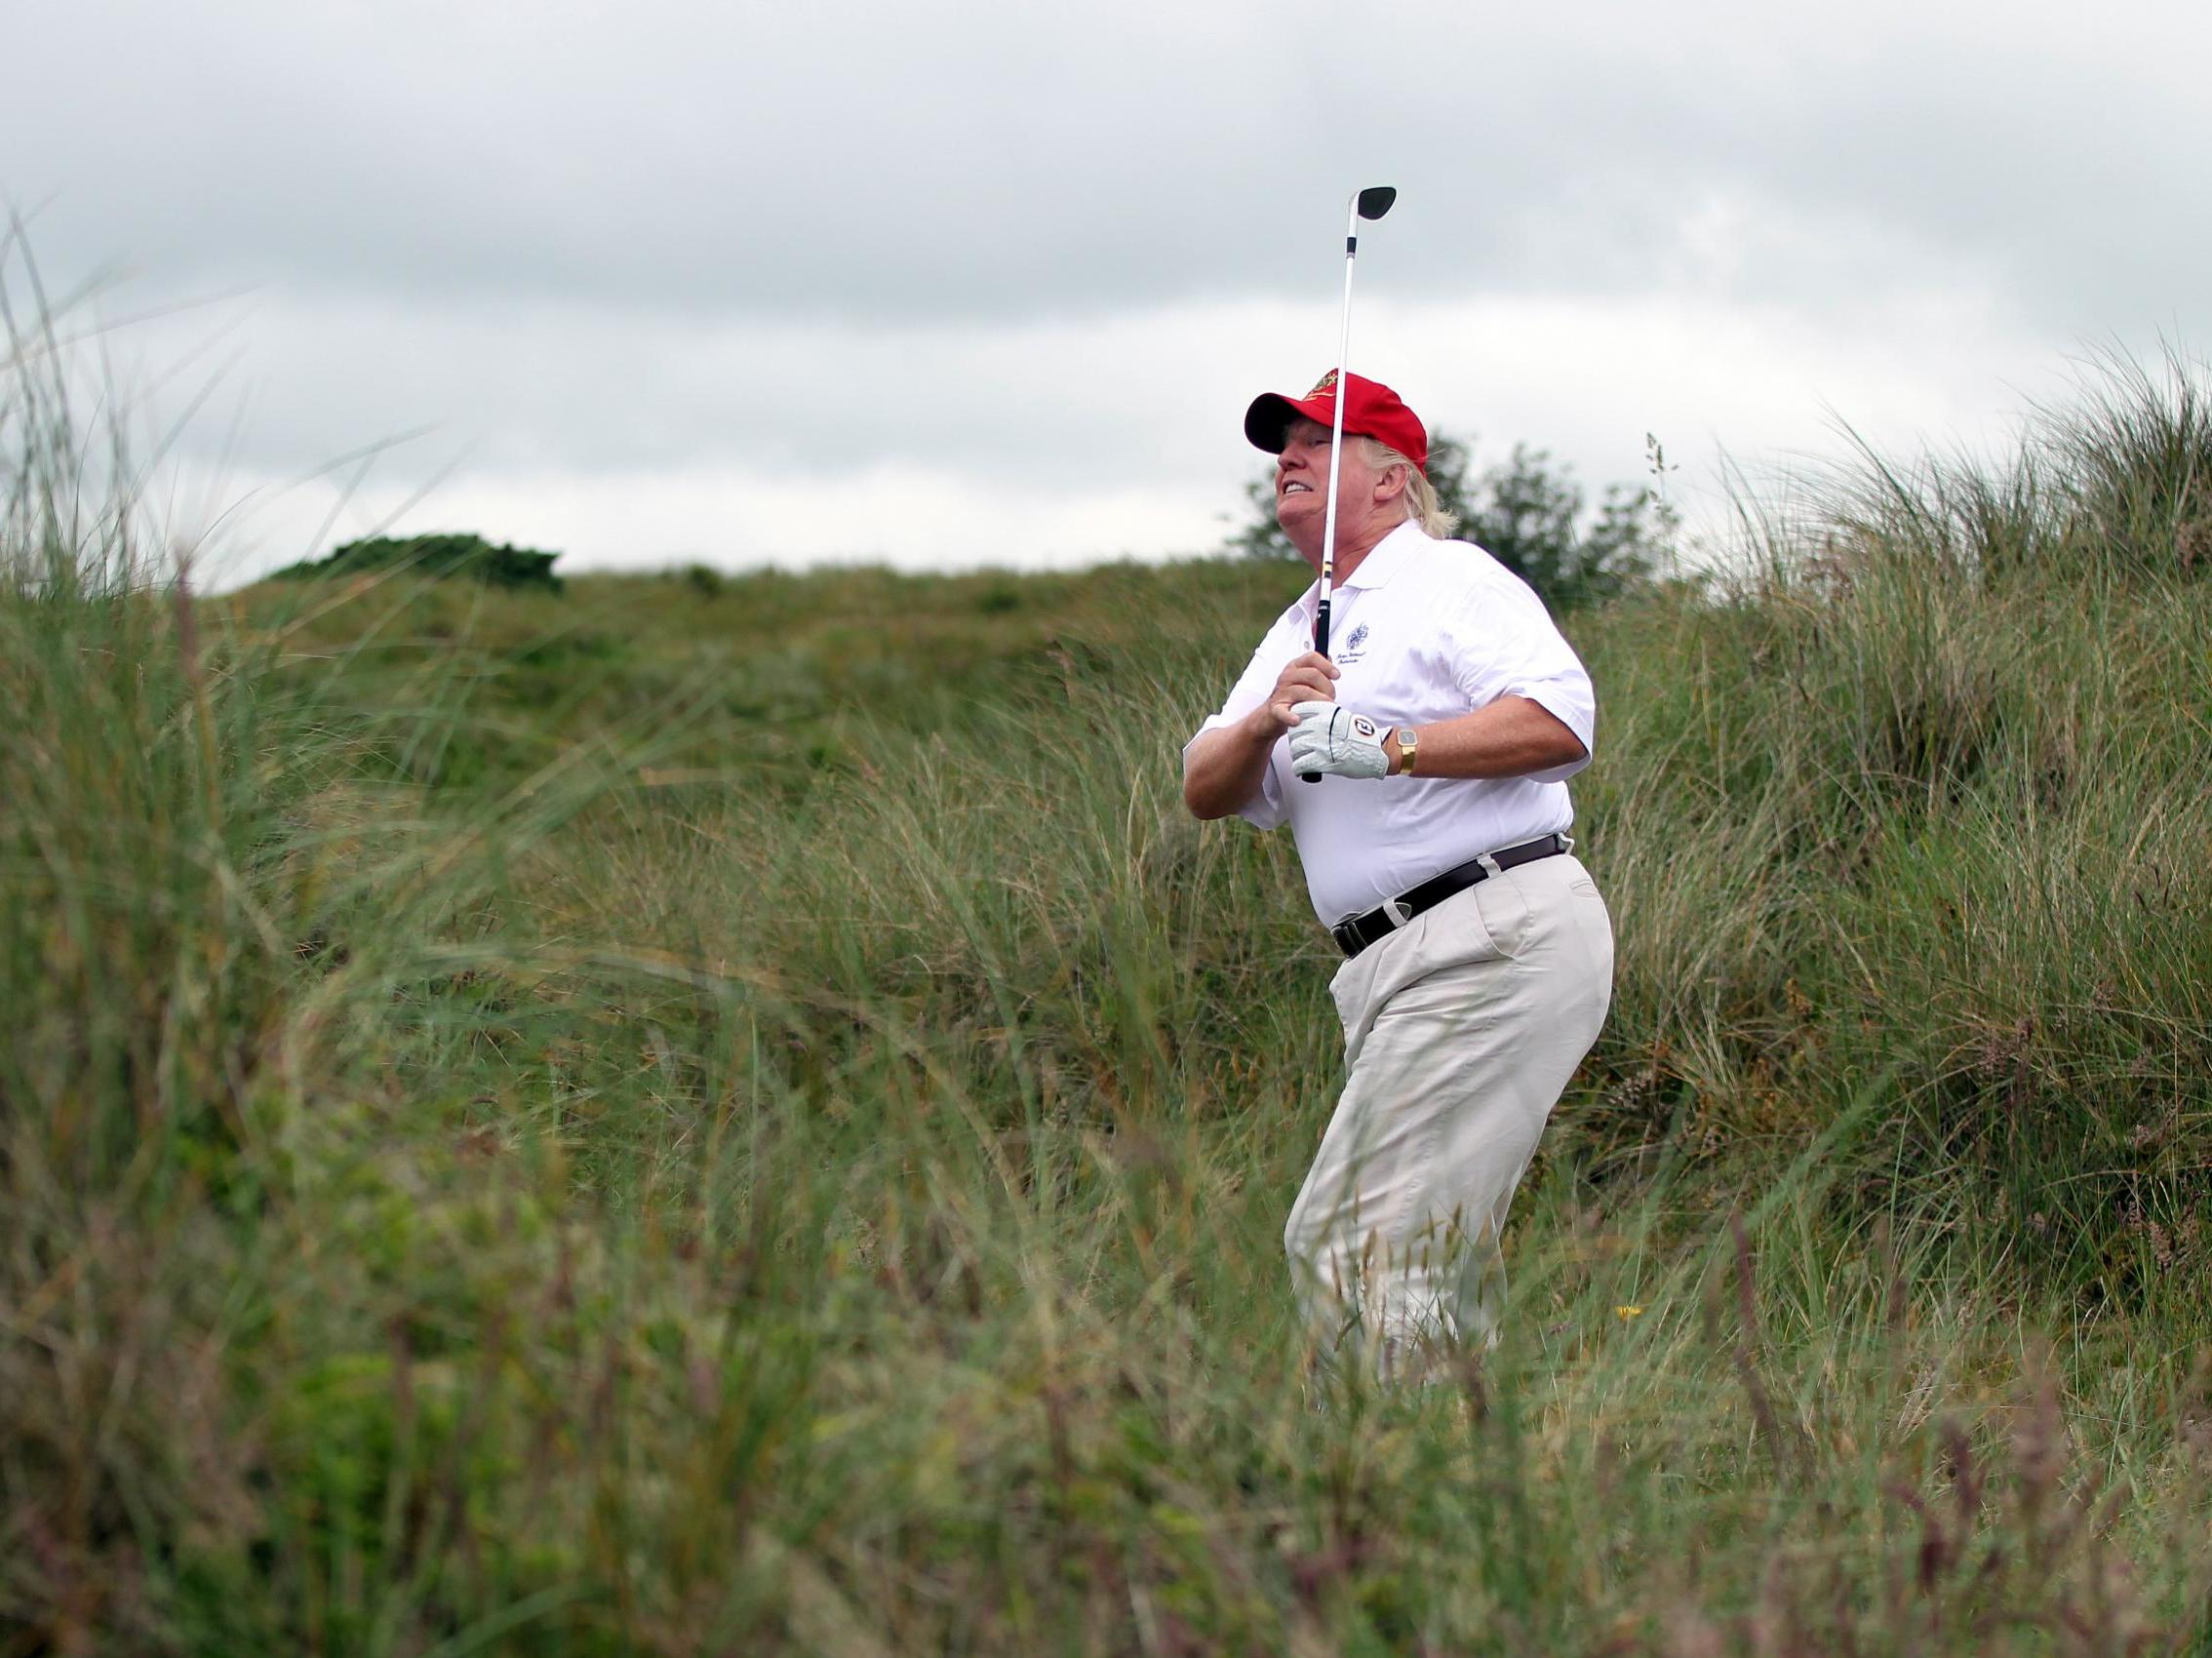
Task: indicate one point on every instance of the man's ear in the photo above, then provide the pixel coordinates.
(1384, 491)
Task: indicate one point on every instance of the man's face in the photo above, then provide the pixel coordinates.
(1301, 484)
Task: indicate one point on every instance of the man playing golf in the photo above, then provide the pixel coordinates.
(1436, 739)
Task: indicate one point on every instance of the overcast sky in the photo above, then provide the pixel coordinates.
(992, 283)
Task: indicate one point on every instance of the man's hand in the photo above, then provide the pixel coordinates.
(1305, 679)
(1337, 742)
(1222, 770)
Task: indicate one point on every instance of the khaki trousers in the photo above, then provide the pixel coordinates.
(1460, 1031)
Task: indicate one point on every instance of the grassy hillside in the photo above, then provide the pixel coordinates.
(696, 1116)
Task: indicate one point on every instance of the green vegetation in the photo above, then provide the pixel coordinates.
(497, 565)
(741, 1116)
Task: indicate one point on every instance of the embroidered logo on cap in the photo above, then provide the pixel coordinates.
(1328, 382)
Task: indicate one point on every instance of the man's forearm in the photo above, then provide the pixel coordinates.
(1224, 767)
(1510, 738)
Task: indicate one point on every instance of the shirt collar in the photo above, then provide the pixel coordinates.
(1386, 556)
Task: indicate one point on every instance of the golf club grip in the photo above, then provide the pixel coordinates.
(1321, 647)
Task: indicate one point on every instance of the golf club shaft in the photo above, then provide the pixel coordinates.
(1335, 449)
(1336, 433)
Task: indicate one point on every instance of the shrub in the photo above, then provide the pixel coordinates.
(497, 565)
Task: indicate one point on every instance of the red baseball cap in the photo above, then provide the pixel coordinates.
(1372, 410)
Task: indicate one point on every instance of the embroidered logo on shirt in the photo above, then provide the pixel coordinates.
(1355, 645)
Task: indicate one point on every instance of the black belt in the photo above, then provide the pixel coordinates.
(1355, 934)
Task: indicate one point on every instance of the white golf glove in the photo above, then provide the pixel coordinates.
(1335, 741)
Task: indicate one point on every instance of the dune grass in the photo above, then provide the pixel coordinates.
(740, 1116)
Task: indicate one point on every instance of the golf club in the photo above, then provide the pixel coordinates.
(1371, 203)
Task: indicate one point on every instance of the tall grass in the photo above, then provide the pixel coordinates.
(689, 1121)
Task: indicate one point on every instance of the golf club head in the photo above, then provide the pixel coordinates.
(1375, 199)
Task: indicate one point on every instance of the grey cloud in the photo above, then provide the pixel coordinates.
(540, 386)
(792, 245)
(991, 161)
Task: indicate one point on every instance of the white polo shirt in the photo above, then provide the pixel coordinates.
(1423, 630)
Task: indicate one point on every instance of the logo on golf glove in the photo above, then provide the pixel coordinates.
(1335, 741)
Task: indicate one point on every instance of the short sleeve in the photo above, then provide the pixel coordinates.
(1264, 810)
(1504, 643)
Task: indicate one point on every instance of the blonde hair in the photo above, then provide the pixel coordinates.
(1420, 498)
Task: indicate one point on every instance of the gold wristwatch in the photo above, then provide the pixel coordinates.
(1408, 740)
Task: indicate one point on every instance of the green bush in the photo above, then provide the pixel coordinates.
(495, 565)
(1528, 513)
